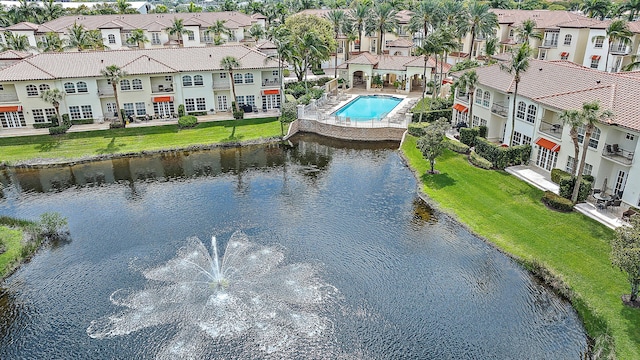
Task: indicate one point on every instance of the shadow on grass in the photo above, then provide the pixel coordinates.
(437, 181)
(111, 148)
(49, 144)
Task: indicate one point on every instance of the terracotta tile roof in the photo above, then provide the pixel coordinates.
(580, 23)
(144, 61)
(564, 85)
(401, 43)
(364, 58)
(23, 26)
(402, 16)
(392, 62)
(14, 55)
(544, 19)
(634, 26)
(265, 44)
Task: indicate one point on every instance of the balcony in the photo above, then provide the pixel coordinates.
(500, 109)
(270, 83)
(161, 89)
(8, 97)
(221, 85)
(550, 44)
(620, 49)
(105, 92)
(463, 97)
(553, 129)
(618, 154)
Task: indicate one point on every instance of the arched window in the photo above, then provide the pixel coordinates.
(237, 78)
(137, 84)
(595, 136)
(32, 90)
(81, 86)
(70, 88)
(112, 38)
(486, 99)
(43, 87)
(567, 39)
(125, 85)
(186, 81)
(522, 108)
(198, 80)
(248, 78)
(478, 96)
(531, 113)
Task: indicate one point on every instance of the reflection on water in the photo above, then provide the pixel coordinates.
(412, 284)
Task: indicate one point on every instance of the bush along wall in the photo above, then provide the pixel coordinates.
(502, 157)
(566, 188)
(417, 129)
(187, 121)
(468, 136)
(558, 174)
(457, 147)
(557, 202)
(479, 161)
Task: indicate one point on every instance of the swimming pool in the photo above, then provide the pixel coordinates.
(368, 107)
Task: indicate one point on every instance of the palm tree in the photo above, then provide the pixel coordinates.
(360, 16)
(124, 7)
(192, 8)
(177, 28)
(312, 47)
(632, 6)
(78, 38)
(337, 18)
(481, 21)
(590, 114)
(26, 11)
(500, 4)
(527, 31)
(51, 10)
(383, 20)
(573, 120)
(350, 34)
(256, 31)
(53, 97)
(593, 8)
(96, 42)
(218, 29)
(15, 42)
(518, 64)
(635, 63)
(424, 17)
(279, 35)
(618, 30)
(137, 38)
(468, 81)
(229, 63)
(429, 46)
(114, 74)
(51, 42)
(490, 47)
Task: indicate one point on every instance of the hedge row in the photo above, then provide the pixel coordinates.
(58, 130)
(558, 174)
(468, 136)
(42, 125)
(81, 121)
(417, 128)
(557, 202)
(501, 157)
(566, 188)
(479, 161)
(457, 147)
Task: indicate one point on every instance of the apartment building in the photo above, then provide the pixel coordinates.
(546, 89)
(620, 53)
(157, 82)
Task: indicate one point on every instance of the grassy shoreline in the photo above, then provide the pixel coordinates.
(12, 235)
(104, 143)
(571, 248)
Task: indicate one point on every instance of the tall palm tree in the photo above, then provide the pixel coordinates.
(192, 8)
(468, 81)
(448, 43)
(337, 18)
(632, 6)
(53, 97)
(114, 74)
(383, 20)
(350, 35)
(256, 31)
(424, 17)
(572, 119)
(51, 10)
(518, 64)
(96, 42)
(51, 42)
(218, 29)
(527, 31)
(490, 47)
(312, 47)
(137, 38)
(618, 30)
(481, 21)
(430, 45)
(590, 115)
(78, 38)
(595, 8)
(230, 63)
(279, 35)
(360, 16)
(500, 4)
(177, 28)
(124, 7)
(26, 11)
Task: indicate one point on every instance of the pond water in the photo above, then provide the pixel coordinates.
(331, 255)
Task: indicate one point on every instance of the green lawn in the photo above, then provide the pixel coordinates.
(508, 212)
(11, 239)
(92, 143)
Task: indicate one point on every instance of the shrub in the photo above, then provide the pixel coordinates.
(81, 121)
(479, 161)
(52, 225)
(588, 178)
(43, 125)
(417, 129)
(464, 65)
(566, 188)
(558, 174)
(286, 72)
(116, 125)
(187, 121)
(289, 112)
(317, 71)
(457, 146)
(180, 110)
(557, 202)
(502, 157)
(482, 131)
(66, 121)
(238, 115)
(58, 130)
(468, 136)
(323, 80)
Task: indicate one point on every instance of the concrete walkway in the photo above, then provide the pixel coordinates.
(534, 176)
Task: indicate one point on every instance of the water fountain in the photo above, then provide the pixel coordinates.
(247, 293)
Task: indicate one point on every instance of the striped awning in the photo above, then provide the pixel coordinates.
(460, 108)
(548, 144)
(271, 92)
(596, 57)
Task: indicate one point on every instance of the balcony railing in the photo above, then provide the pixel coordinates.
(499, 109)
(8, 97)
(105, 92)
(270, 83)
(221, 85)
(616, 153)
(620, 49)
(463, 97)
(161, 89)
(553, 129)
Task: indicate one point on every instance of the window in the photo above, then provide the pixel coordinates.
(570, 162)
(205, 36)
(80, 112)
(128, 109)
(141, 109)
(125, 85)
(155, 38)
(201, 104)
(595, 136)
(198, 80)
(32, 90)
(240, 99)
(630, 136)
(517, 138)
(186, 81)
(588, 168)
(223, 75)
(112, 39)
(595, 61)
(190, 105)
(486, 99)
(168, 78)
(237, 78)
(82, 87)
(478, 99)
(531, 113)
(191, 35)
(1, 87)
(137, 84)
(522, 107)
(38, 115)
(526, 140)
(111, 108)
(222, 102)
(475, 122)
(599, 42)
(70, 88)
(87, 113)
(275, 73)
(42, 87)
(248, 78)
(251, 100)
(511, 32)
(567, 39)
(564, 56)
(542, 55)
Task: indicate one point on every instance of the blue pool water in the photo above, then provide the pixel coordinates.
(368, 107)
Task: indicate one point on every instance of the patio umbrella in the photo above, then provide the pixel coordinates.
(604, 186)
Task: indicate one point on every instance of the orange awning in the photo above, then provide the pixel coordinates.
(548, 144)
(564, 54)
(595, 57)
(158, 99)
(461, 108)
(10, 108)
(271, 92)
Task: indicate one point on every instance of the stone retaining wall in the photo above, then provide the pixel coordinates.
(345, 132)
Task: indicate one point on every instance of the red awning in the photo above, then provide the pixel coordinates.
(548, 144)
(158, 99)
(461, 108)
(271, 92)
(564, 54)
(595, 57)
(10, 108)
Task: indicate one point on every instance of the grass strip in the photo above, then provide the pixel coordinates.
(508, 212)
(114, 141)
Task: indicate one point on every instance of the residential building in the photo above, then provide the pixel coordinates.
(621, 53)
(142, 7)
(158, 81)
(546, 89)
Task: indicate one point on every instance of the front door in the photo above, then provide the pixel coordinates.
(222, 103)
(163, 109)
(546, 158)
(12, 119)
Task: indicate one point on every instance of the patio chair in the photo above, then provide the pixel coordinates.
(626, 216)
(616, 203)
(608, 149)
(616, 148)
(603, 205)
